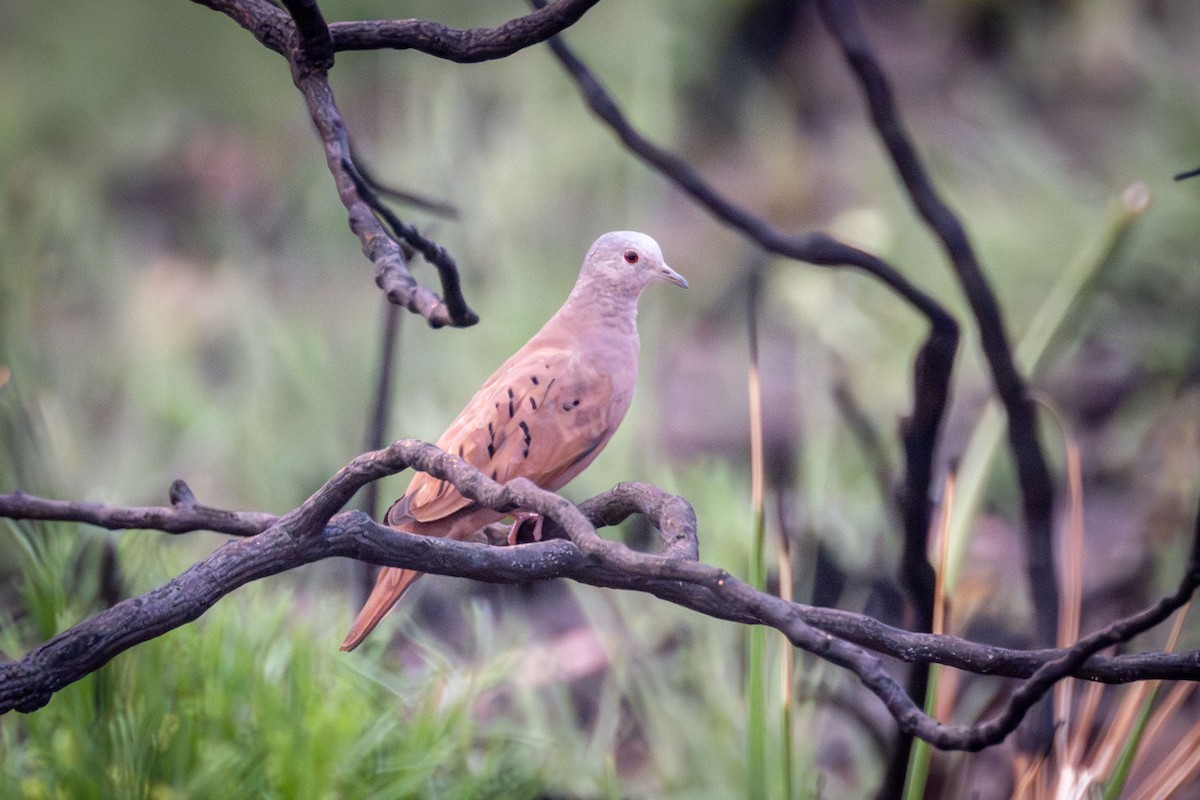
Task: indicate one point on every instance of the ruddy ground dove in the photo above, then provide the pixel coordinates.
(545, 414)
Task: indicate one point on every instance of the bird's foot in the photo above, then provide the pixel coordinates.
(519, 519)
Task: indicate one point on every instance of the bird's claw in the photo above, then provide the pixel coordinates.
(519, 519)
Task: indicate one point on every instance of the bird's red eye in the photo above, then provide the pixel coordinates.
(631, 256)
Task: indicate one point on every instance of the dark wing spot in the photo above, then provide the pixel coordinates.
(533, 404)
(493, 474)
(567, 406)
(460, 451)
(534, 379)
(491, 450)
(574, 402)
(510, 393)
(491, 431)
(526, 453)
(525, 428)
(510, 409)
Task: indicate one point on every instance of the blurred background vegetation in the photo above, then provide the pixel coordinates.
(180, 298)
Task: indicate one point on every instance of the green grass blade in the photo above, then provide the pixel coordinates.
(756, 680)
(917, 774)
(1116, 782)
(1073, 286)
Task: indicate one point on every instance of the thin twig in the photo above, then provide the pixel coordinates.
(381, 405)
(377, 426)
(433, 252)
(434, 206)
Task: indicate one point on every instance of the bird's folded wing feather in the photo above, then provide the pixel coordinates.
(544, 415)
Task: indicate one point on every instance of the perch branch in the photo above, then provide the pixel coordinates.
(311, 532)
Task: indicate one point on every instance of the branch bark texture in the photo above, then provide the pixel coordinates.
(316, 530)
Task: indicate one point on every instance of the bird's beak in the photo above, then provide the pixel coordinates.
(674, 277)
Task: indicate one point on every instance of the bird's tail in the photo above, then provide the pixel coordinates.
(391, 583)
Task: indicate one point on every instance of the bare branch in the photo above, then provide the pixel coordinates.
(273, 29)
(463, 46)
(433, 252)
(307, 48)
(1037, 487)
(429, 204)
(391, 267)
(184, 515)
(316, 45)
(311, 532)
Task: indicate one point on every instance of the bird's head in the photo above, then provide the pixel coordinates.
(625, 262)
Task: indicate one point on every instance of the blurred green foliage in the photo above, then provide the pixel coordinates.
(180, 297)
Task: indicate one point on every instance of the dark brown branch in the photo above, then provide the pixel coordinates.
(611, 508)
(272, 27)
(184, 515)
(391, 267)
(311, 532)
(316, 44)
(376, 435)
(814, 248)
(1037, 487)
(377, 424)
(433, 252)
(463, 46)
(275, 29)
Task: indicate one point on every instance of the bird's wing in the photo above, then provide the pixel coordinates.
(544, 415)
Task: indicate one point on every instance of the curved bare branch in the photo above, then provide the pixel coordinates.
(1033, 474)
(273, 29)
(315, 530)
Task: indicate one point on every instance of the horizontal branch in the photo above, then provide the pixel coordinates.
(273, 28)
(312, 532)
(184, 515)
(463, 46)
(611, 508)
